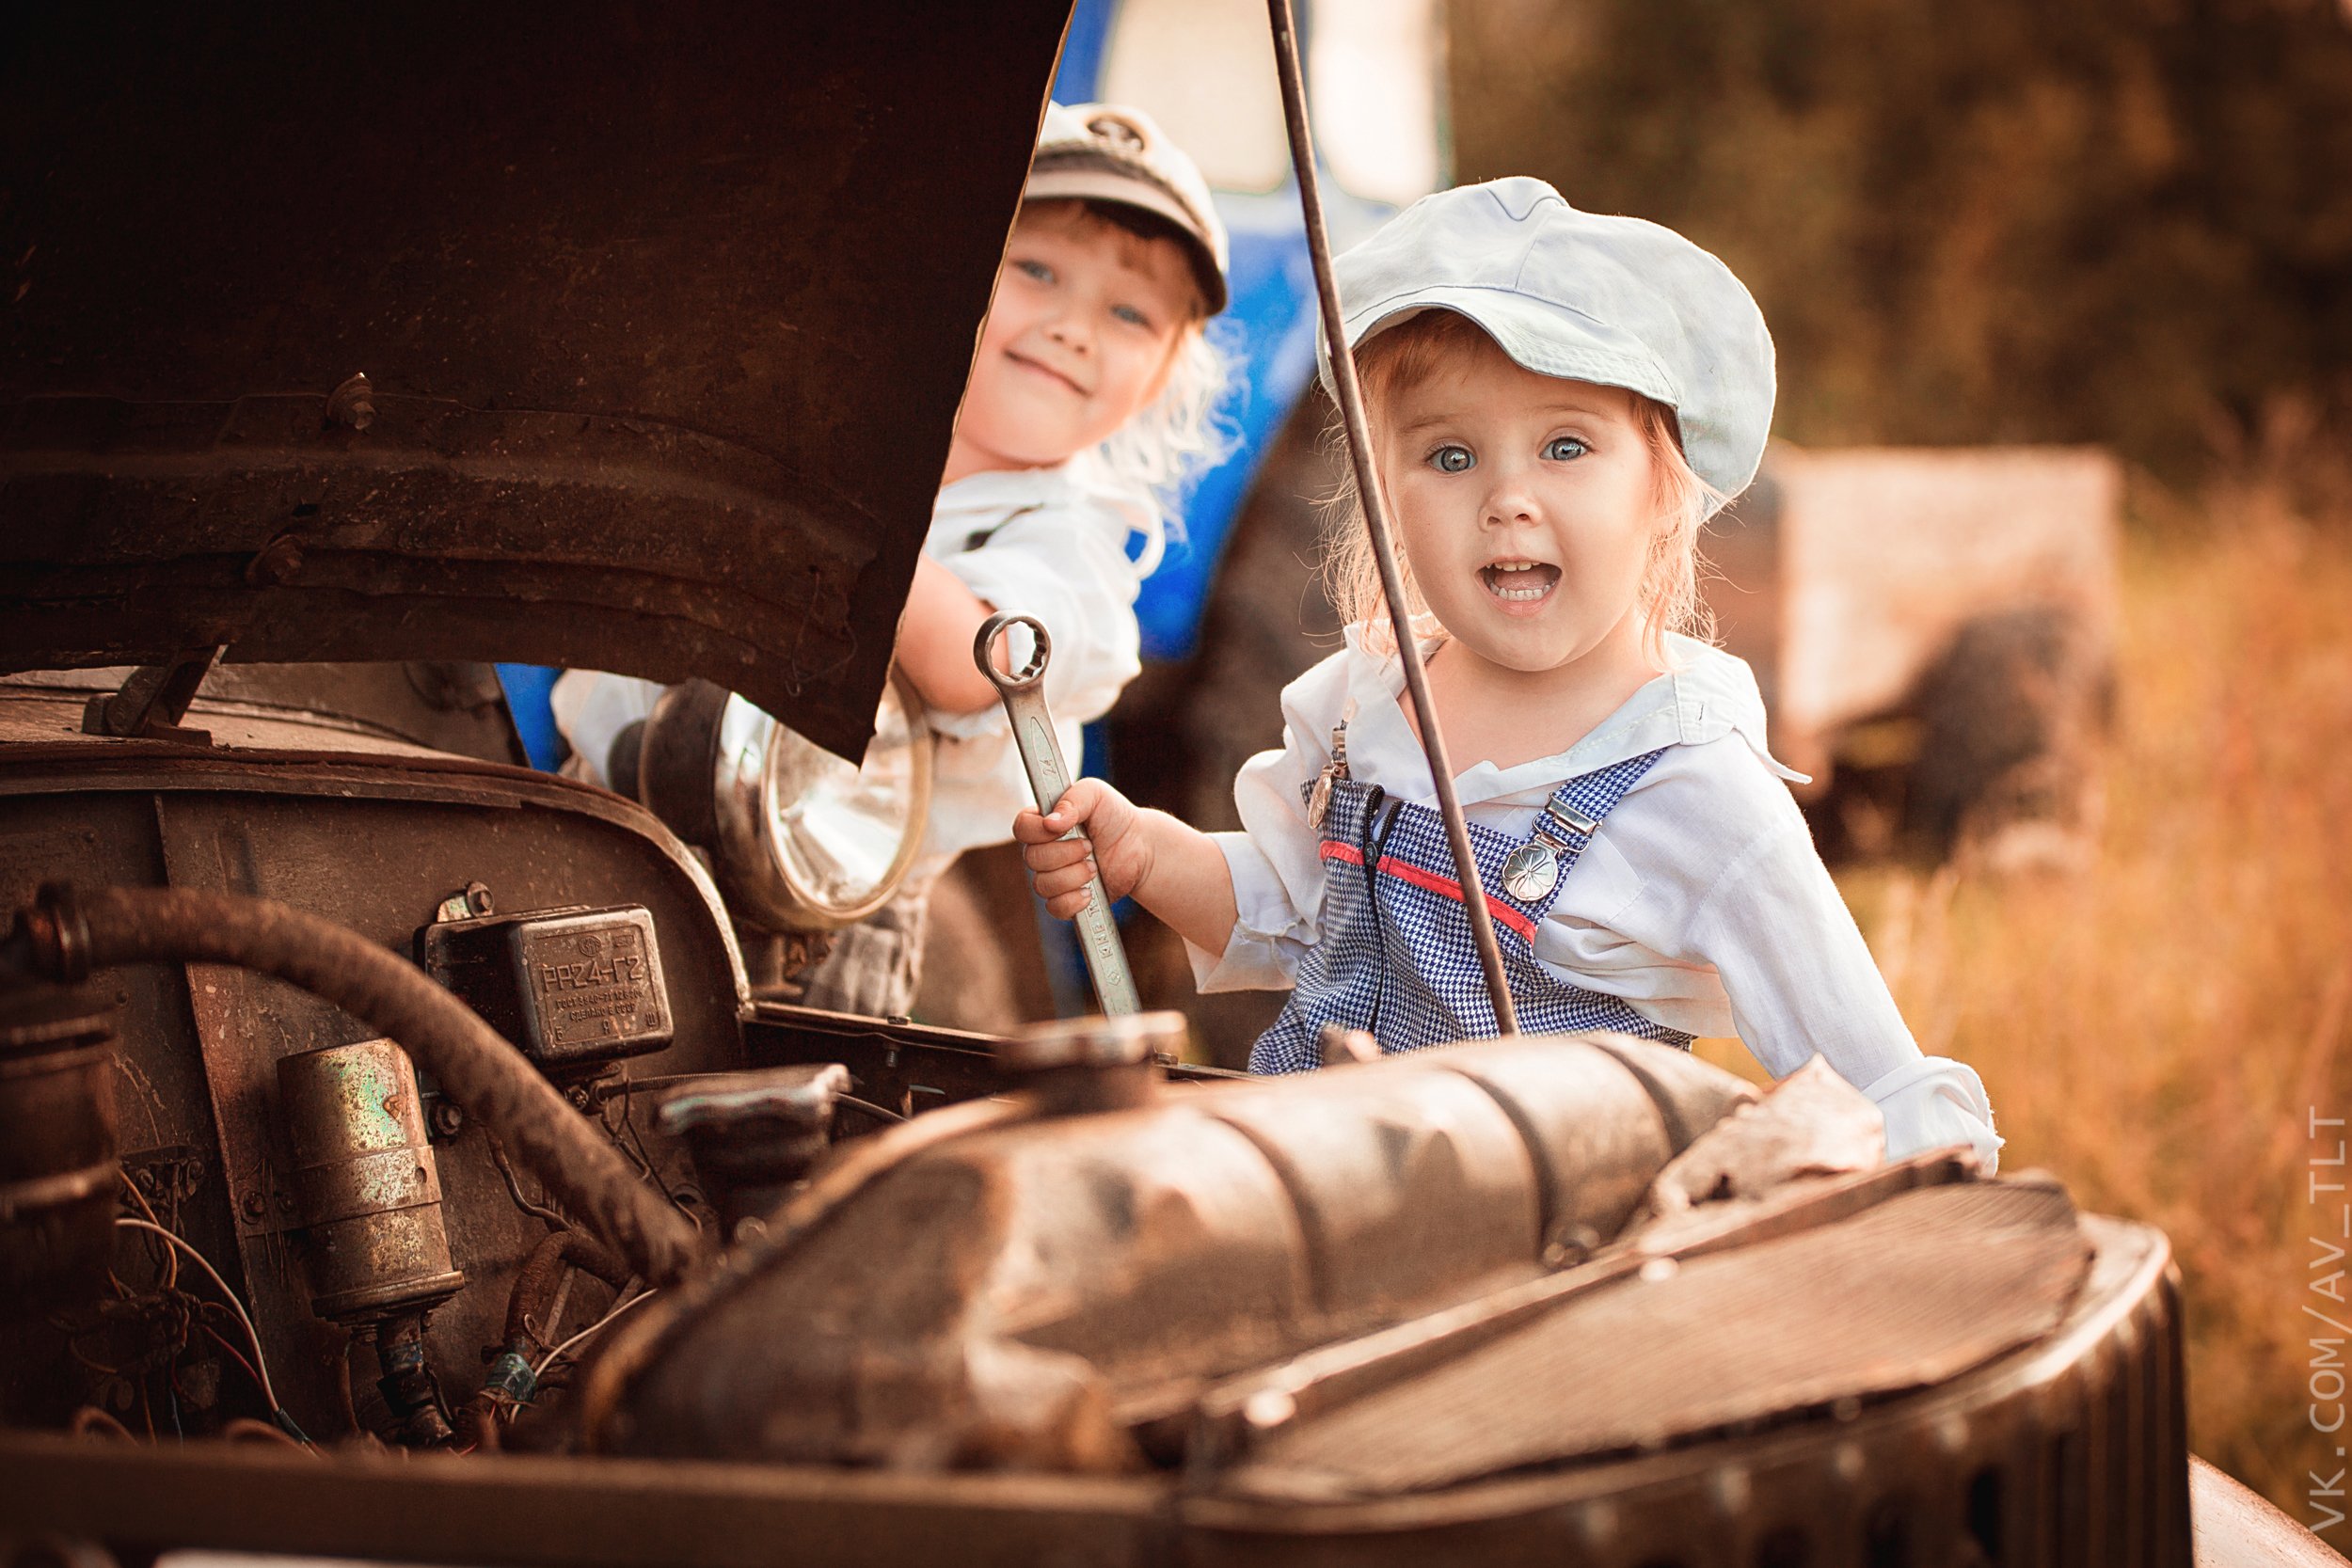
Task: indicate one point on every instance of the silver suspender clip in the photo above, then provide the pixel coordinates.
(1319, 799)
(1533, 869)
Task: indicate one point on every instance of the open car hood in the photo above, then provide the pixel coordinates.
(663, 312)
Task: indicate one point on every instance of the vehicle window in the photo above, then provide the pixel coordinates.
(1204, 70)
(1375, 68)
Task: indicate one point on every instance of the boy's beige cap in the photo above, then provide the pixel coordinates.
(1110, 152)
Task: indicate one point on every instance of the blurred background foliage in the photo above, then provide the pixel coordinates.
(2124, 221)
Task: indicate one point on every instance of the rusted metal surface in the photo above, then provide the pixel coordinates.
(1410, 1187)
(526, 1510)
(1233, 1416)
(1028, 1295)
(295, 795)
(438, 704)
(574, 987)
(1874, 1304)
(597, 1415)
(380, 840)
(366, 1179)
(614, 289)
(902, 1065)
(1599, 1133)
(153, 699)
(476, 1069)
(2067, 1454)
(58, 1169)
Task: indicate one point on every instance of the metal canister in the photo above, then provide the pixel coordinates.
(369, 1187)
(57, 1163)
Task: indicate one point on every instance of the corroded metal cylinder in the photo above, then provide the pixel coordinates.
(369, 1187)
(57, 1164)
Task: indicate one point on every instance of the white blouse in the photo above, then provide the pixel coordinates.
(1701, 902)
(1052, 543)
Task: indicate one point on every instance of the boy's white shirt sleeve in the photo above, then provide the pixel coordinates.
(1058, 562)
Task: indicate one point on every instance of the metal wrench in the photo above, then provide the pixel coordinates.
(1023, 692)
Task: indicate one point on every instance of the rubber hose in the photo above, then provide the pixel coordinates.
(477, 1067)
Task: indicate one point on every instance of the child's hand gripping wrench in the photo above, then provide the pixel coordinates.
(1023, 692)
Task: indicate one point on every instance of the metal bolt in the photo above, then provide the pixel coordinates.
(278, 563)
(353, 403)
(254, 1204)
(446, 1117)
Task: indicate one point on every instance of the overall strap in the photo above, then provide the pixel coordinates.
(1533, 873)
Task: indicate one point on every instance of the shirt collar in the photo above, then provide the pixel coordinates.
(1707, 695)
(990, 497)
(995, 490)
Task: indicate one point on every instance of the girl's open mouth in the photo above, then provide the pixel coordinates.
(1520, 582)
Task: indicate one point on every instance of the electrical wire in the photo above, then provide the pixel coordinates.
(171, 1257)
(235, 1355)
(261, 1366)
(515, 1187)
(553, 1356)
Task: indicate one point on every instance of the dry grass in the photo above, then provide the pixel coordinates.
(2156, 1028)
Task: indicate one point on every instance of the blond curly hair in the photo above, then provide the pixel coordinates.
(1407, 354)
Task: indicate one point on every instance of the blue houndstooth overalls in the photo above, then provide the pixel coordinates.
(1392, 953)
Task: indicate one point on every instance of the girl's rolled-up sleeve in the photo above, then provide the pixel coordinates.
(1801, 981)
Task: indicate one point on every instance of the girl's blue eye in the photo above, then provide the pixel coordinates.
(1561, 448)
(1451, 459)
(1038, 270)
(1132, 316)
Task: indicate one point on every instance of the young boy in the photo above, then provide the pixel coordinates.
(1089, 404)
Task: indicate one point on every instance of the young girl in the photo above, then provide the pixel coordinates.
(1089, 403)
(1558, 402)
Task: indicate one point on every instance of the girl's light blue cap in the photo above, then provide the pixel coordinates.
(1616, 301)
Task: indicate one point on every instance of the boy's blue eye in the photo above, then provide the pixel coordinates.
(1038, 270)
(1132, 316)
(1451, 459)
(1561, 448)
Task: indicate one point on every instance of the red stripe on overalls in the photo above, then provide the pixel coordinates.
(1431, 881)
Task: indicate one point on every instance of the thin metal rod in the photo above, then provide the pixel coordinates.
(1351, 401)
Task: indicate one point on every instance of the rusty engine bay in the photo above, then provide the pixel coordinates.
(398, 1158)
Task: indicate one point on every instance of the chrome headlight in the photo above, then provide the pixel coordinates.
(800, 840)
